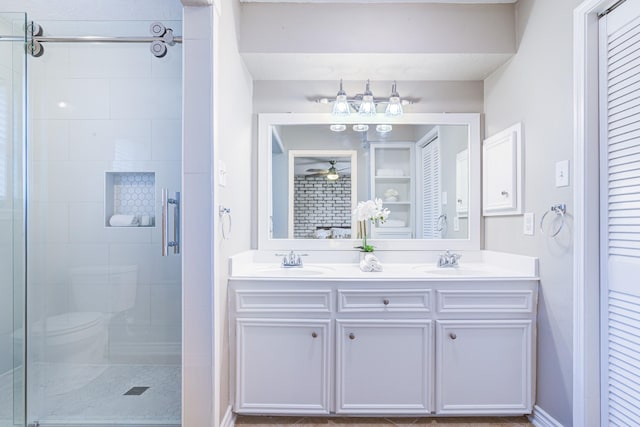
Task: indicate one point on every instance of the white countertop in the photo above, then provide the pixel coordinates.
(404, 265)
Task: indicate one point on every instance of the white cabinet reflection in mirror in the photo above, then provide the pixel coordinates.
(392, 181)
(502, 173)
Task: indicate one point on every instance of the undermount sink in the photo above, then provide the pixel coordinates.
(314, 270)
(450, 271)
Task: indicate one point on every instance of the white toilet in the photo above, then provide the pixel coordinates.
(76, 341)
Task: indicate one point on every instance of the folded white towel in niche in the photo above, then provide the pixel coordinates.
(123, 221)
(370, 263)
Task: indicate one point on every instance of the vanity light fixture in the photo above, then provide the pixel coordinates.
(341, 107)
(394, 107)
(384, 128)
(360, 128)
(367, 107)
(338, 128)
(365, 104)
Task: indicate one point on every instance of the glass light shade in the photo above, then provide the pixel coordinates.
(367, 106)
(384, 128)
(341, 106)
(332, 176)
(360, 128)
(338, 128)
(394, 107)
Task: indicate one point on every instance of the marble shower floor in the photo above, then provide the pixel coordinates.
(102, 401)
(254, 421)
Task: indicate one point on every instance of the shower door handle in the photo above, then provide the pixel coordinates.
(166, 202)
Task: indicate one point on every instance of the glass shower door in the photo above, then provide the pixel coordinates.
(12, 255)
(104, 305)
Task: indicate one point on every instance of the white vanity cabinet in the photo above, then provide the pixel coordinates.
(485, 350)
(484, 367)
(283, 365)
(381, 347)
(283, 350)
(384, 366)
(383, 338)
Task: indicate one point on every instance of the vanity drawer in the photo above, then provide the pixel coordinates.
(381, 300)
(490, 301)
(285, 301)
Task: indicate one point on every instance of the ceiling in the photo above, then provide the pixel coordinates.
(303, 66)
(281, 48)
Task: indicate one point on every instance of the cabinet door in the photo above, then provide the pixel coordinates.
(384, 367)
(484, 367)
(502, 173)
(282, 366)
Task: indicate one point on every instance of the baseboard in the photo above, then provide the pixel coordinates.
(229, 419)
(540, 418)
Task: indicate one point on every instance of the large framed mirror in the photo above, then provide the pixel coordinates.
(424, 167)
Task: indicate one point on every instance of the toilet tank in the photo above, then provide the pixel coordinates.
(106, 289)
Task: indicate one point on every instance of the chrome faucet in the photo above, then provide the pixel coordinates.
(449, 259)
(291, 260)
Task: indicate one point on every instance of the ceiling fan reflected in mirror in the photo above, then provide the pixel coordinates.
(331, 173)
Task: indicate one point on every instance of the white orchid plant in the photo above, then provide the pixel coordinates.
(370, 210)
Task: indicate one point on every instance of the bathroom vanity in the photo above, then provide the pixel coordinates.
(413, 339)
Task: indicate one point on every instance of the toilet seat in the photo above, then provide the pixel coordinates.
(69, 327)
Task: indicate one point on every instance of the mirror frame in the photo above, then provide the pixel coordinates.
(268, 120)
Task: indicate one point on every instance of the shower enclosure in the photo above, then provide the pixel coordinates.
(101, 305)
(12, 236)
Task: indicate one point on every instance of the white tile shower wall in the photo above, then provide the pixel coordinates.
(95, 109)
(10, 80)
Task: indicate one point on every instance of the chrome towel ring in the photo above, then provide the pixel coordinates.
(560, 210)
(225, 221)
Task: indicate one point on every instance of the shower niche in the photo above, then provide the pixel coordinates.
(130, 199)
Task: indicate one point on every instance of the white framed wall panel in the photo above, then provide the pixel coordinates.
(502, 172)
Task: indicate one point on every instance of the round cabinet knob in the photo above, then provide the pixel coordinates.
(453, 336)
(385, 301)
(314, 334)
(352, 336)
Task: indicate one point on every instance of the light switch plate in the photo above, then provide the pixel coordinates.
(562, 173)
(529, 223)
(444, 198)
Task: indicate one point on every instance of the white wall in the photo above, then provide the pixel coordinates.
(535, 87)
(234, 126)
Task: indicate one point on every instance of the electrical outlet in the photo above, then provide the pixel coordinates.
(444, 198)
(529, 223)
(456, 223)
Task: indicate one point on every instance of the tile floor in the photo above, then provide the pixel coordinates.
(254, 421)
(57, 398)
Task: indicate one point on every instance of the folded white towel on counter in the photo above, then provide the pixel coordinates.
(370, 263)
(124, 221)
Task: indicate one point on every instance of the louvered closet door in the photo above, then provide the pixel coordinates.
(620, 229)
(431, 205)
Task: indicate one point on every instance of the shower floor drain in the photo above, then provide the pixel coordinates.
(136, 391)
